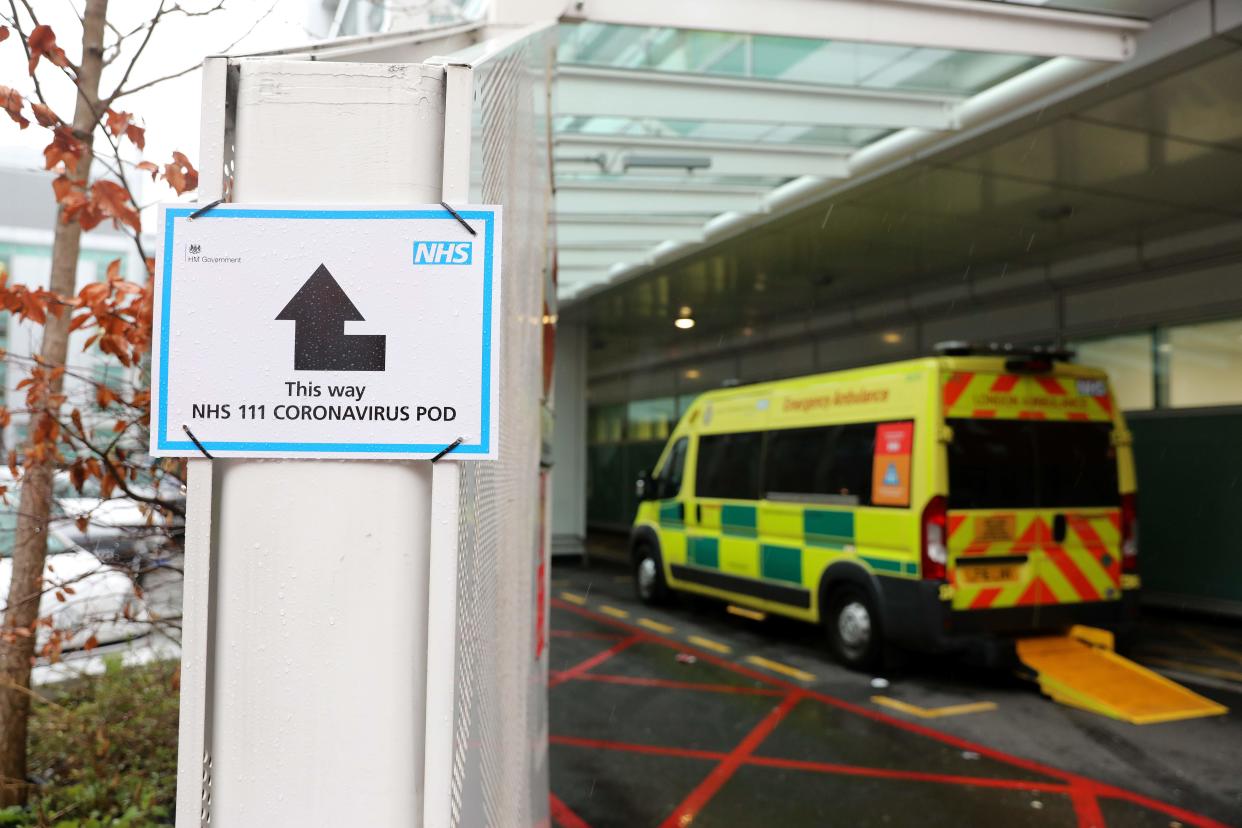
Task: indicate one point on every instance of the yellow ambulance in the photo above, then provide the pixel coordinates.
(976, 495)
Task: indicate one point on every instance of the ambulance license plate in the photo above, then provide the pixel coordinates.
(988, 573)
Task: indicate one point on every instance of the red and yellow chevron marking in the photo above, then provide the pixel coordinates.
(1085, 566)
(1021, 397)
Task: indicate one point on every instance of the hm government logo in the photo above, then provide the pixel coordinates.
(194, 253)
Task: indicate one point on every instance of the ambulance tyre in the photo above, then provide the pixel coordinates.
(853, 627)
(649, 576)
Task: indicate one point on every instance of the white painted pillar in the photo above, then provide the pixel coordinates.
(569, 439)
(305, 662)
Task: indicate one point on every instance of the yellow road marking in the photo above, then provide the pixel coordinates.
(933, 712)
(1219, 649)
(1216, 672)
(654, 625)
(708, 644)
(777, 667)
(753, 615)
(573, 598)
(614, 612)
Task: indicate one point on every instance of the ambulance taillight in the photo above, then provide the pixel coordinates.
(935, 551)
(1129, 534)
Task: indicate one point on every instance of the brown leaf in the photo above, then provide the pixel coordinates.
(63, 149)
(137, 136)
(104, 396)
(11, 102)
(180, 174)
(114, 270)
(82, 522)
(42, 43)
(4, 33)
(115, 203)
(148, 167)
(63, 186)
(90, 643)
(45, 116)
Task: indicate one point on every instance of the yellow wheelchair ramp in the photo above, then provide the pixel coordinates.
(1091, 676)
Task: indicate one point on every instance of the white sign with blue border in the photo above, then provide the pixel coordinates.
(360, 332)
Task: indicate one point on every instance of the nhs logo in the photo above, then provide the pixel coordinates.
(443, 253)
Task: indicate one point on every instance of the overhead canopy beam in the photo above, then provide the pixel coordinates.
(609, 197)
(618, 154)
(600, 257)
(946, 24)
(614, 233)
(628, 93)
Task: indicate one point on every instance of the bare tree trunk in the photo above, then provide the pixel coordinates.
(17, 649)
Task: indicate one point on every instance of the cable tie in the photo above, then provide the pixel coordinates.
(194, 439)
(457, 216)
(202, 210)
(448, 448)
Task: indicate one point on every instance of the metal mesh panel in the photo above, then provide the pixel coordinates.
(500, 728)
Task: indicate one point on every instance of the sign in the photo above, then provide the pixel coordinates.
(325, 332)
(890, 470)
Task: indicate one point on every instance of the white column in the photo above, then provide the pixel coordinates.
(316, 690)
(569, 438)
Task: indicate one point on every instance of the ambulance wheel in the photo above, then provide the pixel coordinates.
(854, 628)
(649, 576)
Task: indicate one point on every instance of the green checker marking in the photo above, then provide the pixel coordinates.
(739, 521)
(831, 529)
(781, 563)
(704, 552)
(670, 515)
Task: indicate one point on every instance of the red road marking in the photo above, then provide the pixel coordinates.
(603, 636)
(632, 747)
(1095, 787)
(913, 776)
(1086, 807)
(562, 816)
(689, 808)
(599, 658)
(817, 767)
(640, 681)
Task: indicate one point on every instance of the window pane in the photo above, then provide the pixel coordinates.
(668, 484)
(1015, 464)
(798, 462)
(652, 419)
(852, 449)
(1128, 361)
(606, 424)
(728, 466)
(1205, 364)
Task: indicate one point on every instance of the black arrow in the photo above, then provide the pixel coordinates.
(320, 310)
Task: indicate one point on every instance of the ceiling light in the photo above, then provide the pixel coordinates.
(684, 322)
(693, 373)
(892, 337)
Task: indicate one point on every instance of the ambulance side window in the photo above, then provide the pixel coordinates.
(728, 466)
(668, 484)
(825, 460)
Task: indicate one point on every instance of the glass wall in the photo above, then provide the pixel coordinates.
(1130, 363)
(625, 439)
(1204, 364)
